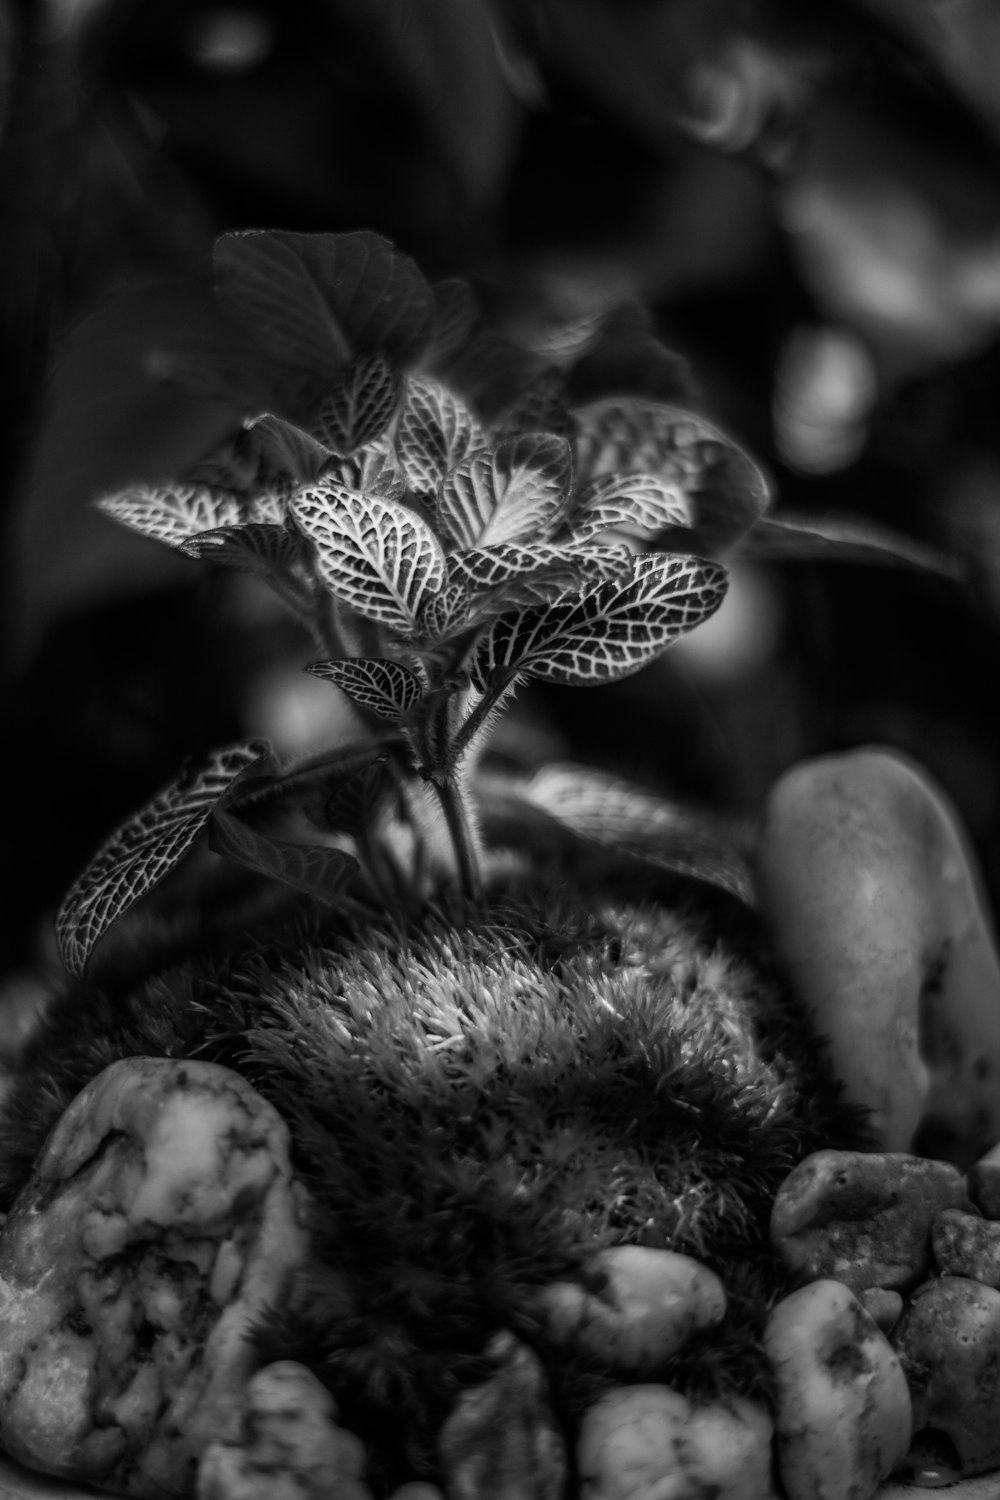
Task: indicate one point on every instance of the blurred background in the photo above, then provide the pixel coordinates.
(793, 213)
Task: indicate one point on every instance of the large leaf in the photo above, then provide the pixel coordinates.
(145, 849)
(378, 296)
(377, 683)
(514, 494)
(435, 433)
(361, 405)
(608, 630)
(805, 539)
(173, 513)
(263, 278)
(724, 489)
(381, 559)
(641, 504)
(637, 825)
(317, 870)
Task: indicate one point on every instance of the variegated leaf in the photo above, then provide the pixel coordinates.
(318, 870)
(371, 470)
(514, 494)
(172, 513)
(607, 630)
(435, 433)
(386, 687)
(639, 826)
(379, 558)
(361, 405)
(145, 849)
(723, 487)
(446, 613)
(639, 503)
(258, 547)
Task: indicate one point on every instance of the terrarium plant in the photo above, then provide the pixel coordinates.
(497, 1055)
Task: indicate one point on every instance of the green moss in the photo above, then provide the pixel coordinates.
(478, 1100)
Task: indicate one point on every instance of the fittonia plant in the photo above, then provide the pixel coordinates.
(437, 559)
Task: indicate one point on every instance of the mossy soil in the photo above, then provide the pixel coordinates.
(479, 1098)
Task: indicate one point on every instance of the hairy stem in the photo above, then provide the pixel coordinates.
(454, 805)
(478, 719)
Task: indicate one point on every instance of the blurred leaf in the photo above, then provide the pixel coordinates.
(315, 869)
(381, 559)
(143, 850)
(794, 538)
(608, 630)
(512, 494)
(456, 313)
(262, 278)
(725, 490)
(314, 301)
(371, 470)
(360, 406)
(384, 686)
(174, 513)
(639, 826)
(542, 406)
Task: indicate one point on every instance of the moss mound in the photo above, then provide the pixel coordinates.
(479, 1100)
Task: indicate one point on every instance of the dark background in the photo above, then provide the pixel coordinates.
(805, 200)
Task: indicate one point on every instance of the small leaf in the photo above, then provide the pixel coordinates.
(172, 513)
(795, 538)
(639, 826)
(145, 849)
(361, 405)
(436, 432)
(380, 558)
(257, 548)
(724, 489)
(317, 870)
(371, 470)
(514, 494)
(642, 504)
(284, 450)
(386, 687)
(606, 631)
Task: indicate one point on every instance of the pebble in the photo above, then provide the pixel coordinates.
(863, 1218)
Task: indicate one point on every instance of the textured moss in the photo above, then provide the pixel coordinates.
(478, 1100)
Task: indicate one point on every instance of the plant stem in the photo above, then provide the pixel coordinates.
(456, 815)
(478, 719)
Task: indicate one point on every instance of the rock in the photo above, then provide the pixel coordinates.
(160, 1221)
(983, 1181)
(882, 1306)
(416, 1490)
(948, 1340)
(648, 1442)
(501, 1441)
(289, 1447)
(966, 1245)
(842, 1411)
(651, 1303)
(875, 906)
(863, 1218)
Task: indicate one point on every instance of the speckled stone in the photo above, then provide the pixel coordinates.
(983, 1181)
(501, 1442)
(948, 1340)
(160, 1221)
(967, 1245)
(863, 1218)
